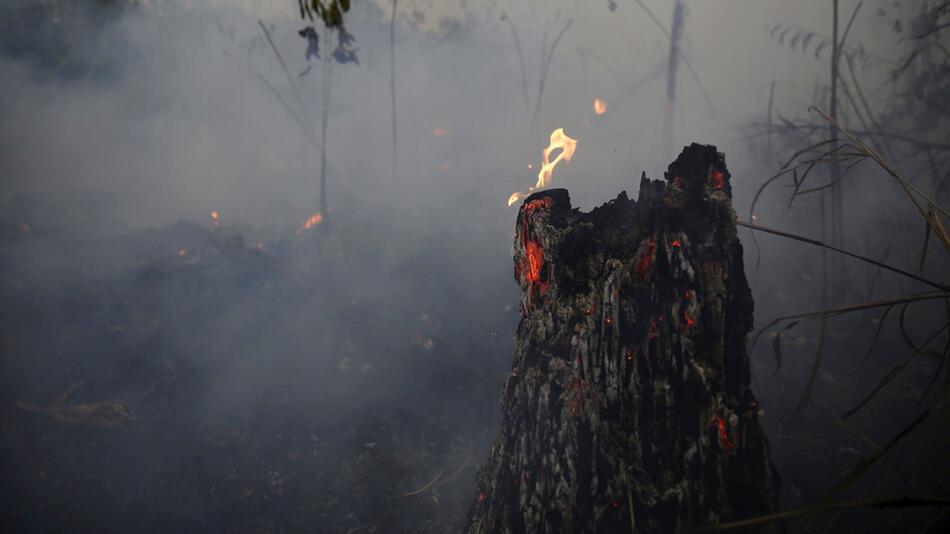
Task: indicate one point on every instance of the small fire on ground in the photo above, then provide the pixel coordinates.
(312, 221)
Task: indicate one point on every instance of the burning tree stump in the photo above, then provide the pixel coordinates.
(628, 406)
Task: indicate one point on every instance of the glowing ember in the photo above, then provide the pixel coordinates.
(600, 107)
(314, 220)
(567, 146)
(528, 270)
(646, 260)
(690, 322)
(535, 261)
(724, 442)
(440, 132)
(539, 203)
(716, 179)
(676, 243)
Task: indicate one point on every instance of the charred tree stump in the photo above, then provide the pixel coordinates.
(628, 406)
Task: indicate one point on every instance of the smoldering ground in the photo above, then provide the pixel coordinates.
(166, 371)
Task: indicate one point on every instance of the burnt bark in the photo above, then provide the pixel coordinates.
(628, 407)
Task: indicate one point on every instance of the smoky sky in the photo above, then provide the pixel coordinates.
(181, 124)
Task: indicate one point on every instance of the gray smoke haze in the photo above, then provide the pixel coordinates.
(113, 156)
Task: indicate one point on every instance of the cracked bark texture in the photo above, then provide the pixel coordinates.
(628, 407)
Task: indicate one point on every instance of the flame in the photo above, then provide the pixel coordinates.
(214, 215)
(314, 220)
(559, 140)
(440, 132)
(182, 252)
(600, 107)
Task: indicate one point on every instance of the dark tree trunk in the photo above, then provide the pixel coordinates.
(628, 406)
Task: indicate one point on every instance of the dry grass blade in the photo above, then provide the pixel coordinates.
(896, 501)
(524, 72)
(928, 207)
(877, 334)
(853, 161)
(935, 29)
(777, 345)
(875, 390)
(290, 110)
(813, 375)
(832, 312)
(428, 485)
(810, 164)
(290, 80)
(943, 361)
(946, 394)
(546, 55)
(682, 56)
(817, 243)
(923, 249)
(786, 168)
(860, 468)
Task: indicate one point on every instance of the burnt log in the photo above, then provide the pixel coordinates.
(628, 407)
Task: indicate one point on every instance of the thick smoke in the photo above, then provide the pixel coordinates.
(358, 363)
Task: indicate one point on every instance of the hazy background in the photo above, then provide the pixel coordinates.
(352, 366)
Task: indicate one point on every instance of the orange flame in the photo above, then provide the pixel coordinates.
(559, 140)
(600, 107)
(314, 220)
(214, 215)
